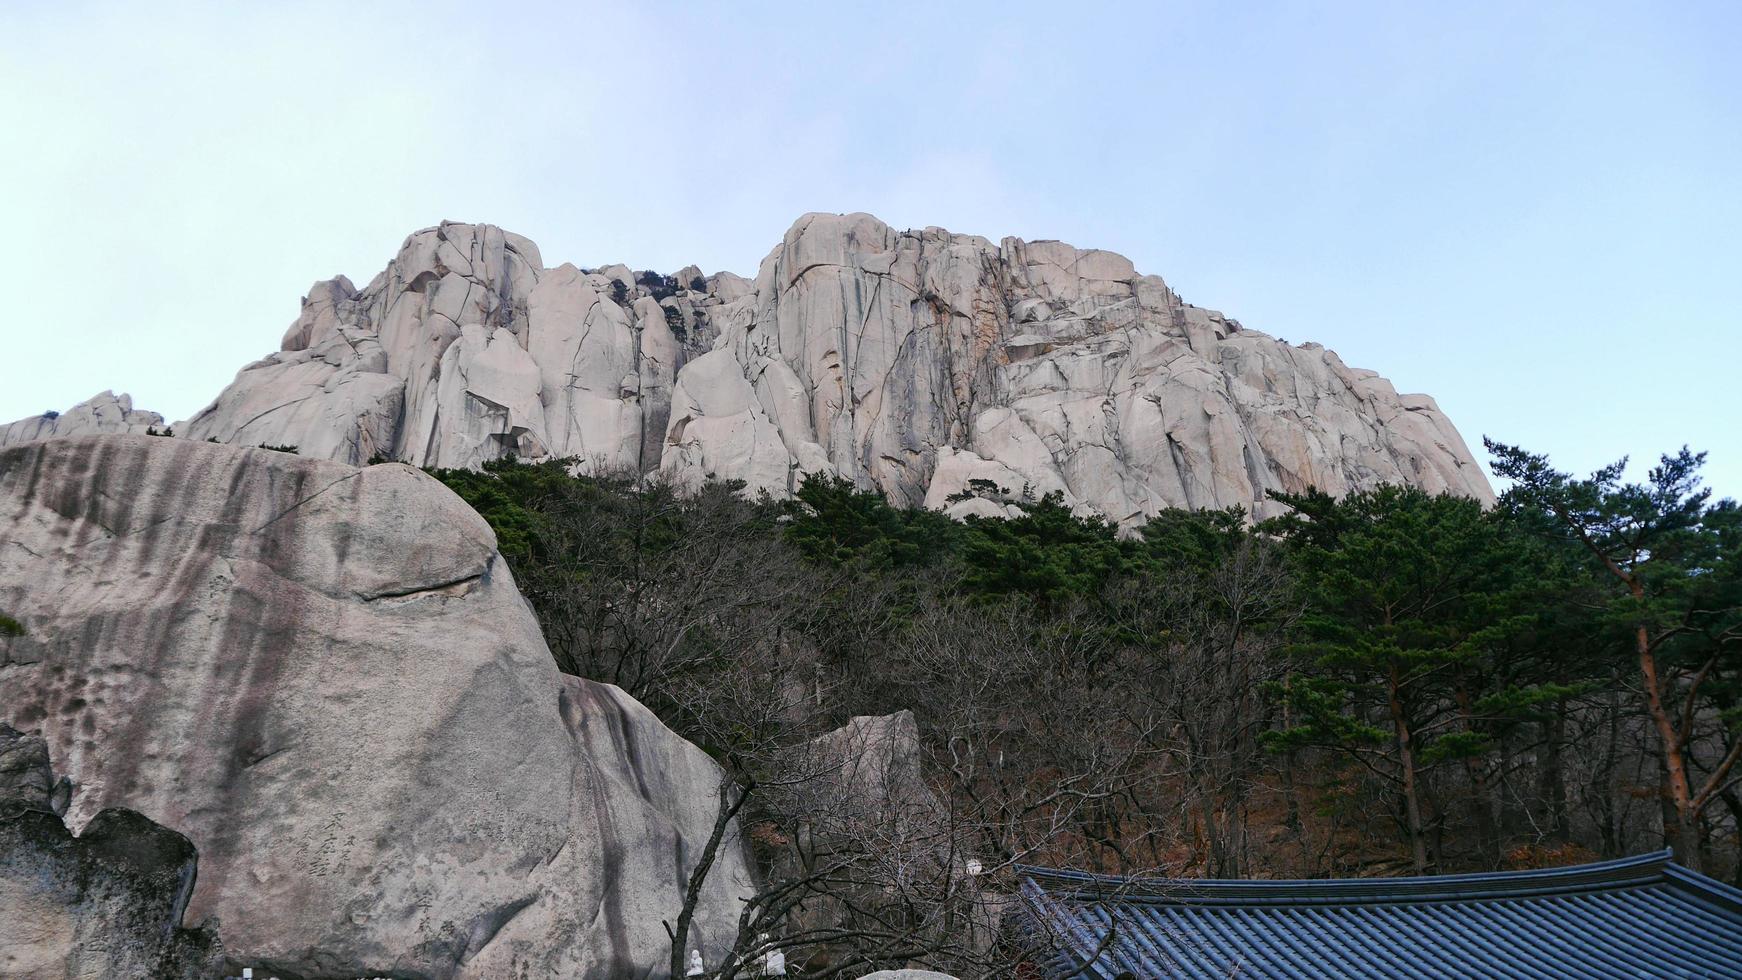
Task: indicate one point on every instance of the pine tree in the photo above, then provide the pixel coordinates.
(1412, 599)
(1669, 558)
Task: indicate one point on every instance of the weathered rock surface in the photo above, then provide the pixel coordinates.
(916, 361)
(912, 362)
(868, 809)
(873, 767)
(324, 676)
(107, 903)
(104, 412)
(466, 348)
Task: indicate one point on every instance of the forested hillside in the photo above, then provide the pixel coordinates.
(1391, 682)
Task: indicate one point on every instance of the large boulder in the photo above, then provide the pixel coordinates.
(107, 903)
(911, 362)
(324, 676)
(865, 810)
(872, 766)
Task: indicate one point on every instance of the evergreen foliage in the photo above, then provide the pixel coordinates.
(1666, 564)
(513, 497)
(832, 520)
(1461, 681)
(1414, 601)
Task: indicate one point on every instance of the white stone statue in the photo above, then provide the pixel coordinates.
(774, 961)
(695, 968)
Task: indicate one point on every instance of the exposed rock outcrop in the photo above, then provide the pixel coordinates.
(868, 811)
(466, 348)
(917, 361)
(913, 362)
(872, 766)
(102, 413)
(324, 676)
(107, 903)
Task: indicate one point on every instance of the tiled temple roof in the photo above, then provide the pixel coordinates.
(1636, 917)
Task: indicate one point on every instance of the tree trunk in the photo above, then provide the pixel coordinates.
(1482, 802)
(1681, 828)
(1292, 798)
(1216, 855)
(1406, 762)
(1504, 803)
(1610, 788)
(730, 804)
(1681, 823)
(1684, 840)
(1481, 795)
(1551, 780)
(1734, 803)
(1237, 836)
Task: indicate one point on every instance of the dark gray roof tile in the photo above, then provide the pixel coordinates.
(1636, 917)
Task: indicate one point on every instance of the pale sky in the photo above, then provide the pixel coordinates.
(1531, 211)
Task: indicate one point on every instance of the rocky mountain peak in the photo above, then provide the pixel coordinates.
(912, 362)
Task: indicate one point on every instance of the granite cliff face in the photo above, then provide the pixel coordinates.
(324, 677)
(918, 361)
(466, 348)
(912, 362)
